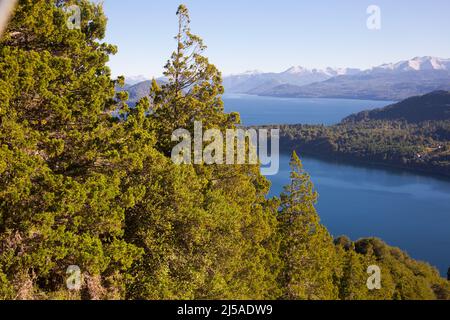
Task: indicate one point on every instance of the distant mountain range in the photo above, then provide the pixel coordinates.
(394, 81)
(255, 82)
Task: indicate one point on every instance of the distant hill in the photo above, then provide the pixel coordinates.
(388, 85)
(139, 90)
(434, 106)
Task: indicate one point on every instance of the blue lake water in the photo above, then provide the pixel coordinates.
(407, 210)
(257, 110)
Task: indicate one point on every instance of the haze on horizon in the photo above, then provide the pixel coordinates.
(274, 36)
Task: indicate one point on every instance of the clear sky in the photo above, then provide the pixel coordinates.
(273, 35)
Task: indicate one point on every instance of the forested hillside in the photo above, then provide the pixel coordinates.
(87, 181)
(413, 134)
(434, 106)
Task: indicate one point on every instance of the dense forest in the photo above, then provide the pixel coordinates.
(413, 134)
(86, 180)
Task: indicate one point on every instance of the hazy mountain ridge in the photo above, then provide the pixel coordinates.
(139, 90)
(259, 82)
(416, 64)
(132, 80)
(394, 81)
(373, 86)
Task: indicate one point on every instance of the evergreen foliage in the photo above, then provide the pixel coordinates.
(307, 251)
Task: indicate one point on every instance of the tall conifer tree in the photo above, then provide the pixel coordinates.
(307, 250)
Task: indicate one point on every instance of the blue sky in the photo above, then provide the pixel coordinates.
(275, 35)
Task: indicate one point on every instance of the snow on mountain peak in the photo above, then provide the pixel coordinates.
(331, 72)
(132, 80)
(417, 64)
(247, 73)
(252, 72)
(255, 82)
(296, 70)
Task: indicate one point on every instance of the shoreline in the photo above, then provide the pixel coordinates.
(348, 159)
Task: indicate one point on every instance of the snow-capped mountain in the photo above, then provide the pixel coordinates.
(342, 71)
(132, 80)
(299, 70)
(256, 82)
(248, 73)
(415, 64)
(330, 72)
(392, 81)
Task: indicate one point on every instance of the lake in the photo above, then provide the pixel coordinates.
(257, 110)
(407, 210)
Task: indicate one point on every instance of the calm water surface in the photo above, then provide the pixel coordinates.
(257, 110)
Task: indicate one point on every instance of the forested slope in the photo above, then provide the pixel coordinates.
(413, 134)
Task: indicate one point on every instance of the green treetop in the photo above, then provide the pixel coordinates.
(307, 250)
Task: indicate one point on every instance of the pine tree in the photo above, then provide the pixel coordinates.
(193, 90)
(353, 279)
(61, 202)
(307, 248)
(218, 226)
